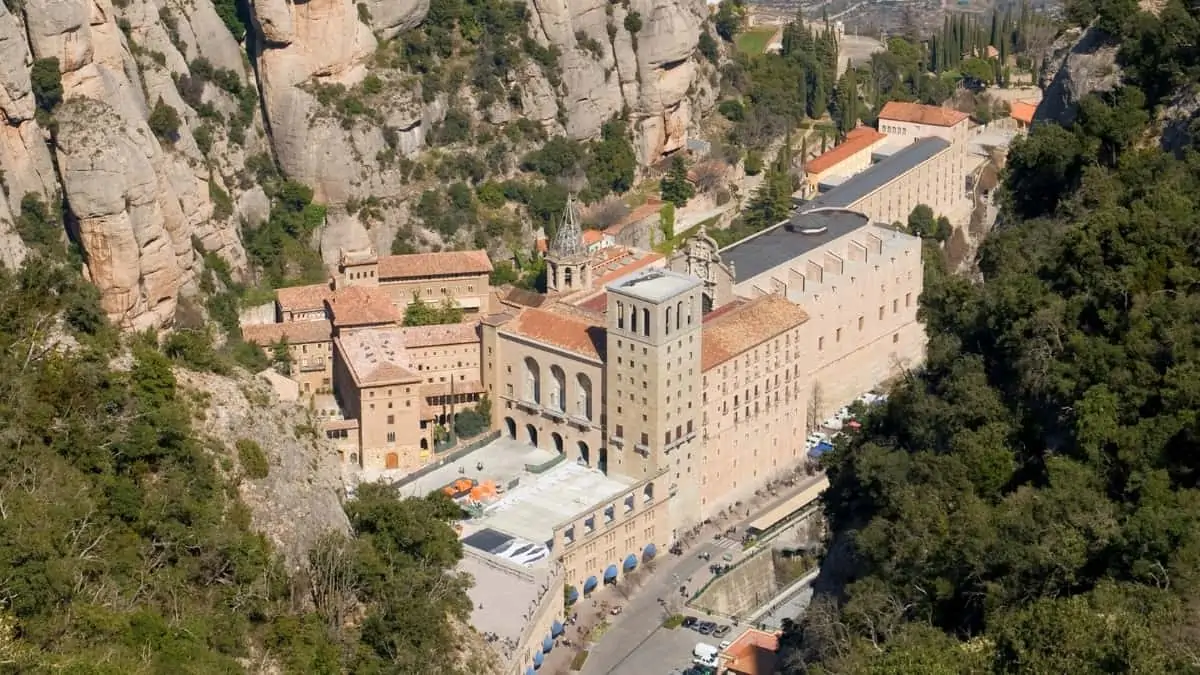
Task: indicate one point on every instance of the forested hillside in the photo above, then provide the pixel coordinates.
(124, 547)
(1029, 501)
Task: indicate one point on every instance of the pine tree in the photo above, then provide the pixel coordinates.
(818, 102)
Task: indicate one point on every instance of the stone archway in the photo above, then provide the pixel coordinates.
(531, 435)
(511, 425)
(558, 442)
(391, 461)
(583, 453)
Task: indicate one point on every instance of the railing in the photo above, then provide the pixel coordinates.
(545, 466)
(449, 457)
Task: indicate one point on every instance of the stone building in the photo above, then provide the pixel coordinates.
(460, 277)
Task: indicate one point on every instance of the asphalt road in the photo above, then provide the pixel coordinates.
(643, 616)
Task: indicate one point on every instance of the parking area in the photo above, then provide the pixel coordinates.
(667, 651)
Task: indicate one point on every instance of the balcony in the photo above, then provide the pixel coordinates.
(554, 414)
(616, 440)
(641, 449)
(582, 423)
(308, 366)
(529, 406)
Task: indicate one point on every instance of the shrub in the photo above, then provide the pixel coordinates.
(708, 47)
(194, 349)
(633, 22)
(470, 422)
(46, 82)
(371, 84)
(204, 139)
(253, 459)
(164, 121)
(222, 203)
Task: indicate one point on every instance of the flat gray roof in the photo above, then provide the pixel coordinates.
(654, 285)
(886, 171)
(776, 245)
(499, 598)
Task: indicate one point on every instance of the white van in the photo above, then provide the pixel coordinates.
(705, 655)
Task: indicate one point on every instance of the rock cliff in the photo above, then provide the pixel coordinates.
(1080, 63)
(316, 88)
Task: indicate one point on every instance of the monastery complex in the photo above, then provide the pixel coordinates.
(641, 394)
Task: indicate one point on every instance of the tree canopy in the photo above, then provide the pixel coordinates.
(1029, 500)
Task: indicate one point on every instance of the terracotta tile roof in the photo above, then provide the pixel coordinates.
(1023, 111)
(650, 208)
(295, 332)
(918, 113)
(754, 652)
(743, 327)
(572, 331)
(445, 334)
(376, 357)
(445, 263)
(597, 303)
(592, 237)
(331, 425)
(302, 298)
(362, 306)
(523, 298)
(856, 141)
(626, 264)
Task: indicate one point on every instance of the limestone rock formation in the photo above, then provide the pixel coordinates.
(298, 500)
(1081, 64)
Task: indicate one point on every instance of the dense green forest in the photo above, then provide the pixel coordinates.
(1028, 501)
(124, 547)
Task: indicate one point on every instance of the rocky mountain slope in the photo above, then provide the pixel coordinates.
(142, 121)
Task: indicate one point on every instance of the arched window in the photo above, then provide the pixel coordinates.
(621, 315)
(558, 389)
(558, 442)
(583, 453)
(667, 327)
(531, 435)
(511, 425)
(679, 313)
(633, 319)
(533, 381)
(583, 396)
(645, 322)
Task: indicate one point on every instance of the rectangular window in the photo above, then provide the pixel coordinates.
(860, 323)
(645, 438)
(895, 306)
(391, 419)
(838, 336)
(620, 431)
(895, 338)
(820, 343)
(881, 311)
(391, 437)
(908, 299)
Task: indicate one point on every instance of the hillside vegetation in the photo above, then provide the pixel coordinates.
(1029, 501)
(124, 547)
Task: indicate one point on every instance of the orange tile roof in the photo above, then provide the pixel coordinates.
(743, 327)
(376, 357)
(295, 332)
(627, 264)
(592, 237)
(330, 425)
(918, 113)
(444, 334)
(1023, 111)
(856, 141)
(361, 306)
(301, 298)
(572, 331)
(445, 263)
(754, 652)
(650, 208)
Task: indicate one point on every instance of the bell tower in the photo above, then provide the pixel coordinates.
(567, 268)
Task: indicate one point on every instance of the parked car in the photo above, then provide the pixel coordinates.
(705, 627)
(689, 621)
(616, 610)
(721, 631)
(725, 644)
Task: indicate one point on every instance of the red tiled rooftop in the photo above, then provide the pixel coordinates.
(1023, 111)
(295, 332)
(565, 330)
(650, 208)
(445, 334)
(856, 141)
(918, 113)
(754, 652)
(302, 298)
(742, 328)
(362, 306)
(627, 264)
(420, 265)
(376, 357)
